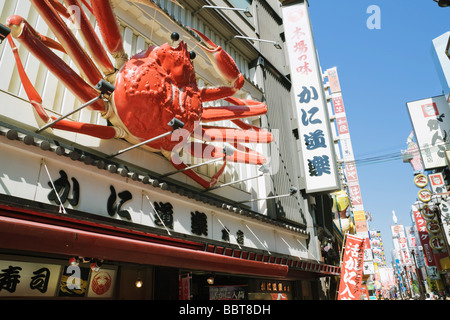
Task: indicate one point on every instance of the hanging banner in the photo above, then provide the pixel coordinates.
(431, 127)
(413, 150)
(423, 236)
(352, 268)
(444, 206)
(317, 145)
(334, 80)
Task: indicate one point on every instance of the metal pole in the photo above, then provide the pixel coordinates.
(191, 167)
(140, 144)
(233, 182)
(268, 198)
(68, 114)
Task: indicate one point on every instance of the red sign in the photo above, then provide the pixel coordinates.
(424, 237)
(352, 269)
(101, 283)
(355, 195)
(430, 110)
(338, 104)
(350, 170)
(342, 125)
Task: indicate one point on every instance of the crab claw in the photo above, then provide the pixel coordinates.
(222, 61)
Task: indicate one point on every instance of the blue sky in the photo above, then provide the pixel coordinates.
(379, 71)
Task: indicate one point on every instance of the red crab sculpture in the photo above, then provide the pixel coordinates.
(151, 88)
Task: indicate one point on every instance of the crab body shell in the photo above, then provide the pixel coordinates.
(152, 88)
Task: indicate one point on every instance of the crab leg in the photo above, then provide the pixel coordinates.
(247, 133)
(25, 33)
(241, 155)
(93, 43)
(68, 41)
(225, 67)
(243, 109)
(109, 29)
(179, 165)
(244, 154)
(60, 8)
(35, 99)
(231, 135)
(94, 130)
(33, 96)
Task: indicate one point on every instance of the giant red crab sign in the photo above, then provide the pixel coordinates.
(149, 90)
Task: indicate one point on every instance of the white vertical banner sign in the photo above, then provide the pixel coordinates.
(430, 120)
(317, 144)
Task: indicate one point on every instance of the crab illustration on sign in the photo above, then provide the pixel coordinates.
(152, 99)
(424, 195)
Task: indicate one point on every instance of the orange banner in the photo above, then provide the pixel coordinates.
(352, 269)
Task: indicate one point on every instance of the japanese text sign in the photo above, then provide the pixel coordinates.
(317, 145)
(431, 126)
(352, 268)
(423, 236)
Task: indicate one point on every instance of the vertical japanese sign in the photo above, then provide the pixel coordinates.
(431, 123)
(318, 154)
(347, 151)
(423, 235)
(352, 268)
(413, 149)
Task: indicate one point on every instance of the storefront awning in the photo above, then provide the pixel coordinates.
(17, 234)
(23, 228)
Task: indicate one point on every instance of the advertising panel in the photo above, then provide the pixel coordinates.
(352, 268)
(429, 118)
(437, 182)
(424, 237)
(45, 280)
(334, 80)
(317, 146)
(413, 150)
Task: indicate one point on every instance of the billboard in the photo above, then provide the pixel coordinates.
(317, 145)
(413, 150)
(431, 122)
(352, 268)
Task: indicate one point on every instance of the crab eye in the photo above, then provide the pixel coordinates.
(175, 36)
(192, 55)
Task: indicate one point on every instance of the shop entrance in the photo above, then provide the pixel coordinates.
(211, 286)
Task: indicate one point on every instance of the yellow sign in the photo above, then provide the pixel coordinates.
(424, 195)
(421, 180)
(340, 201)
(359, 215)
